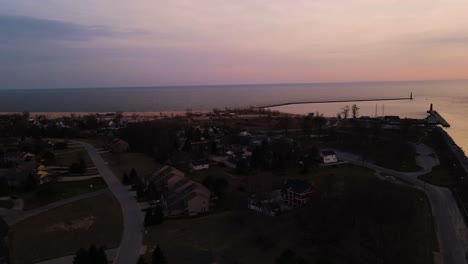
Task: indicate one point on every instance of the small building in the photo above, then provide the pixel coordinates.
(119, 146)
(264, 205)
(199, 165)
(180, 195)
(297, 193)
(328, 156)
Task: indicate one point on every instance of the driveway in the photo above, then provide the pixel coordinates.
(132, 238)
(450, 227)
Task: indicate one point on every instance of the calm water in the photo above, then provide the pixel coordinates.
(450, 98)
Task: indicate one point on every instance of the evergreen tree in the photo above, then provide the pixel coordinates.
(287, 257)
(133, 175)
(154, 216)
(101, 256)
(4, 186)
(126, 179)
(82, 165)
(141, 260)
(93, 255)
(140, 191)
(81, 257)
(30, 183)
(158, 256)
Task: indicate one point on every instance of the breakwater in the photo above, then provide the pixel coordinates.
(339, 101)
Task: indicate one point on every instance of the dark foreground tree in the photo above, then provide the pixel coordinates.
(133, 176)
(158, 256)
(30, 183)
(126, 179)
(154, 216)
(93, 255)
(287, 257)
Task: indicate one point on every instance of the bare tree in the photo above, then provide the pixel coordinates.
(345, 112)
(307, 123)
(285, 123)
(319, 121)
(338, 116)
(355, 110)
(118, 117)
(26, 114)
(135, 116)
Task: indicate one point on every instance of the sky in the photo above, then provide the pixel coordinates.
(108, 43)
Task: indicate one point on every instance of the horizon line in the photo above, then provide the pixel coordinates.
(229, 84)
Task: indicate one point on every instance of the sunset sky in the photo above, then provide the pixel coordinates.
(91, 43)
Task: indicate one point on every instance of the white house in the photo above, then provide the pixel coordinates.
(199, 165)
(328, 156)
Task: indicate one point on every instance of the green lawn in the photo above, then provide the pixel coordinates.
(439, 177)
(66, 158)
(405, 235)
(56, 191)
(214, 170)
(331, 178)
(62, 231)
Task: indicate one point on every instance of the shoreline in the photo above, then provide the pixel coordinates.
(126, 114)
(456, 150)
(145, 115)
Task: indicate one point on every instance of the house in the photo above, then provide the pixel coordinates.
(268, 204)
(43, 175)
(328, 156)
(165, 178)
(297, 193)
(119, 146)
(199, 165)
(180, 195)
(187, 198)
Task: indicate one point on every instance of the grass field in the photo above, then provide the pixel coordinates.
(67, 157)
(237, 235)
(121, 163)
(439, 177)
(330, 178)
(247, 237)
(56, 191)
(214, 171)
(62, 231)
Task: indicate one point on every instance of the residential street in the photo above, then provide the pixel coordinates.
(449, 224)
(129, 249)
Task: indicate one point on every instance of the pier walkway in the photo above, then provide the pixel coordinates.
(435, 118)
(340, 101)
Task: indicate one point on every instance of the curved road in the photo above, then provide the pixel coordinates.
(132, 238)
(449, 224)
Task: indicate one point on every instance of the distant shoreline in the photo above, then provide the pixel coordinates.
(129, 114)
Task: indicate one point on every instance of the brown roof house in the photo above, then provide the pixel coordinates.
(181, 195)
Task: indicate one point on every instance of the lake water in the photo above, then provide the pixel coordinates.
(450, 98)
